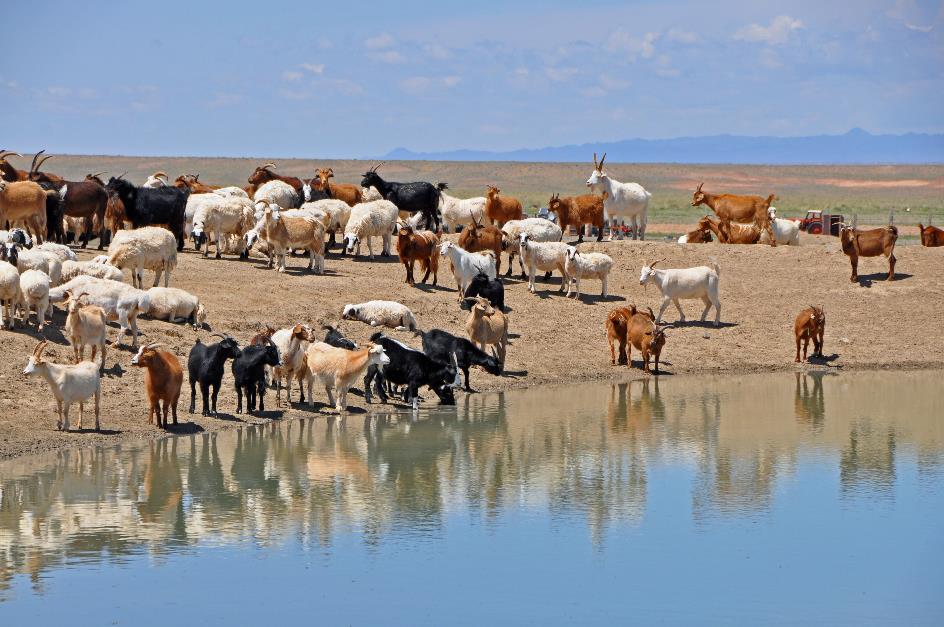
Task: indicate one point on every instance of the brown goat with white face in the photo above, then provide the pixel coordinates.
(648, 337)
(744, 209)
(499, 209)
(931, 236)
(870, 243)
(422, 246)
(478, 237)
(163, 378)
(348, 192)
(810, 324)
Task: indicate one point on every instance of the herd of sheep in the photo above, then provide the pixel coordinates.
(275, 216)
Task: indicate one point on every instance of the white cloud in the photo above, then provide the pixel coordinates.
(222, 99)
(777, 33)
(681, 36)
(415, 84)
(383, 40)
(388, 56)
(314, 68)
(634, 47)
(560, 74)
(435, 51)
(291, 76)
(919, 29)
(612, 83)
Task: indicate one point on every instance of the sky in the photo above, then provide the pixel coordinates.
(338, 80)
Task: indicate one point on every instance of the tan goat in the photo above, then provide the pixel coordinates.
(85, 326)
(486, 325)
(286, 234)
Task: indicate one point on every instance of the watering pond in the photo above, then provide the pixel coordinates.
(778, 498)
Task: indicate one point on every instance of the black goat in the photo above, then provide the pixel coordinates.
(54, 213)
(412, 197)
(249, 374)
(439, 345)
(413, 369)
(205, 365)
(334, 338)
(492, 290)
(145, 206)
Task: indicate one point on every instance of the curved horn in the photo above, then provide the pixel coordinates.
(35, 157)
(596, 165)
(8, 153)
(219, 335)
(38, 351)
(602, 159)
(268, 166)
(160, 174)
(653, 264)
(652, 314)
(700, 185)
(95, 175)
(42, 161)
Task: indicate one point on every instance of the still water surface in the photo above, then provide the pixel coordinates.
(780, 498)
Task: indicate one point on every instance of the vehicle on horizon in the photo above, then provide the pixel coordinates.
(817, 222)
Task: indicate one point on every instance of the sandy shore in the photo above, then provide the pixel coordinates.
(871, 325)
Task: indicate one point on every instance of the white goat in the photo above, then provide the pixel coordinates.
(370, 219)
(176, 305)
(385, 313)
(580, 265)
(231, 192)
(689, 283)
(148, 248)
(34, 285)
(219, 218)
(72, 269)
(69, 384)
(544, 256)
(11, 296)
(120, 301)
(785, 231)
(276, 192)
(539, 229)
(466, 265)
(463, 211)
(620, 200)
(288, 233)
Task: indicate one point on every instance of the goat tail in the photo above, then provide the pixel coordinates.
(441, 187)
(892, 229)
(713, 263)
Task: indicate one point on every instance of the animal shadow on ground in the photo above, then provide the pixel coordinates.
(514, 374)
(224, 416)
(429, 287)
(867, 279)
(271, 414)
(591, 299)
(49, 332)
(825, 360)
(88, 429)
(708, 324)
(183, 428)
(378, 258)
(115, 371)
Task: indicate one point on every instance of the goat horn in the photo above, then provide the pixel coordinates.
(269, 165)
(159, 174)
(38, 351)
(96, 175)
(596, 166)
(42, 161)
(602, 159)
(8, 153)
(219, 335)
(35, 157)
(122, 175)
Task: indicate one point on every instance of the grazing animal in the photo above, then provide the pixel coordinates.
(443, 346)
(493, 290)
(578, 265)
(785, 231)
(544, 256)
(34, 286)
(539, 229)
(120, 301)
(176, 305)
(648, 337)
(159, 179)
(617, 330)
(348, 192)
(221, 218)
(11, 296)
(501, 209)
(86, 325)
(146, 248)
(291, 342)
(689, 283)
(163, 380)
(931, 236)
(205, 366)
(336, 339)
(278, 193)
(62, 252)
(733, 233)
(486, 325)
(84, 199)
(460, 211)
(146, 207)
(620, 200)
(192, 182)
(734, 208)
(422, 246)
(72, 269)
(698, 236)
(24, 201)
(414, 369)
(337, 369)
(466, 265)
(410, 197)
(577, 211)
(286, 233)
(249, 374)
(810, 324)
(869, 243)
(476, 238)
(69, 384)
(377, 218)
(385, 313)
(264, 173)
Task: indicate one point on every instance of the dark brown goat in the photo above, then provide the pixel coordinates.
(931, 236)
(477, 237)
(745, 209)
(192, 182)
(422, 246)
(617, 330)
(348, 192)
(264, 174)
(577, 211)
(810, 324)
(869, 243)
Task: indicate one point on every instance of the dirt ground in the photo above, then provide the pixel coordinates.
(871, 324)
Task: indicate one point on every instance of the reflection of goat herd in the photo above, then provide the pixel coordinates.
(275, 215)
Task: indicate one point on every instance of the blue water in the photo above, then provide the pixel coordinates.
(768, 499)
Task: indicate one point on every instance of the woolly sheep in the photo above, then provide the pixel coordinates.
(53, 264)
(72, 269)
(176, 305)
(457, 211)
(278, 193)
(580, 265)
(385, 313)
(225, 216)
(10, 294)
(147, 248)
(539, 229)
(64, 253)
(370, 219)
(34, 287)
(544, 256)
(338, 212)
(370, 194)
(231, 192)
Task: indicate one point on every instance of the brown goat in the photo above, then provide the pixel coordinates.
(348, 192)
(478, 237)
(617, 327)
(648, 337)
(501, 210)
(8, 172)
(115, 217)
(733, 233)
(264, 174)
(163, 379)
(422, 246)
(707, 224)
(869, 243)
(744, 209)
(931, 236)
(577, 211)
(487, 326)
(192, 182)
(810, 324)
(263, 336)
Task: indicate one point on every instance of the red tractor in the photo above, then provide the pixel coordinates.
(816, 223)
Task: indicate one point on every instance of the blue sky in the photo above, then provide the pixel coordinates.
(358, 79)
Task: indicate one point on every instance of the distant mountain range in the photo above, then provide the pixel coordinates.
(855, 147)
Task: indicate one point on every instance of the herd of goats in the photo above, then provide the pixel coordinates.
(274, 216)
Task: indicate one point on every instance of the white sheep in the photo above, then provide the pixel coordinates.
(370, 194)
(276, 192)
(689, 283)
(785, 231)
(544, 256)
(338, 212)
(370, 219)
(231, 192)
(52, 262)
(148, 248)
(225, 216)
(72, 269)
(34, 286)
(194, 202)
(456, 211)
(385, 313)
(69, 384)
(580, 265)
(64, 253)
(120, 301)
(466, 265)
(539, 229)
(11, 296)
(176, 305)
